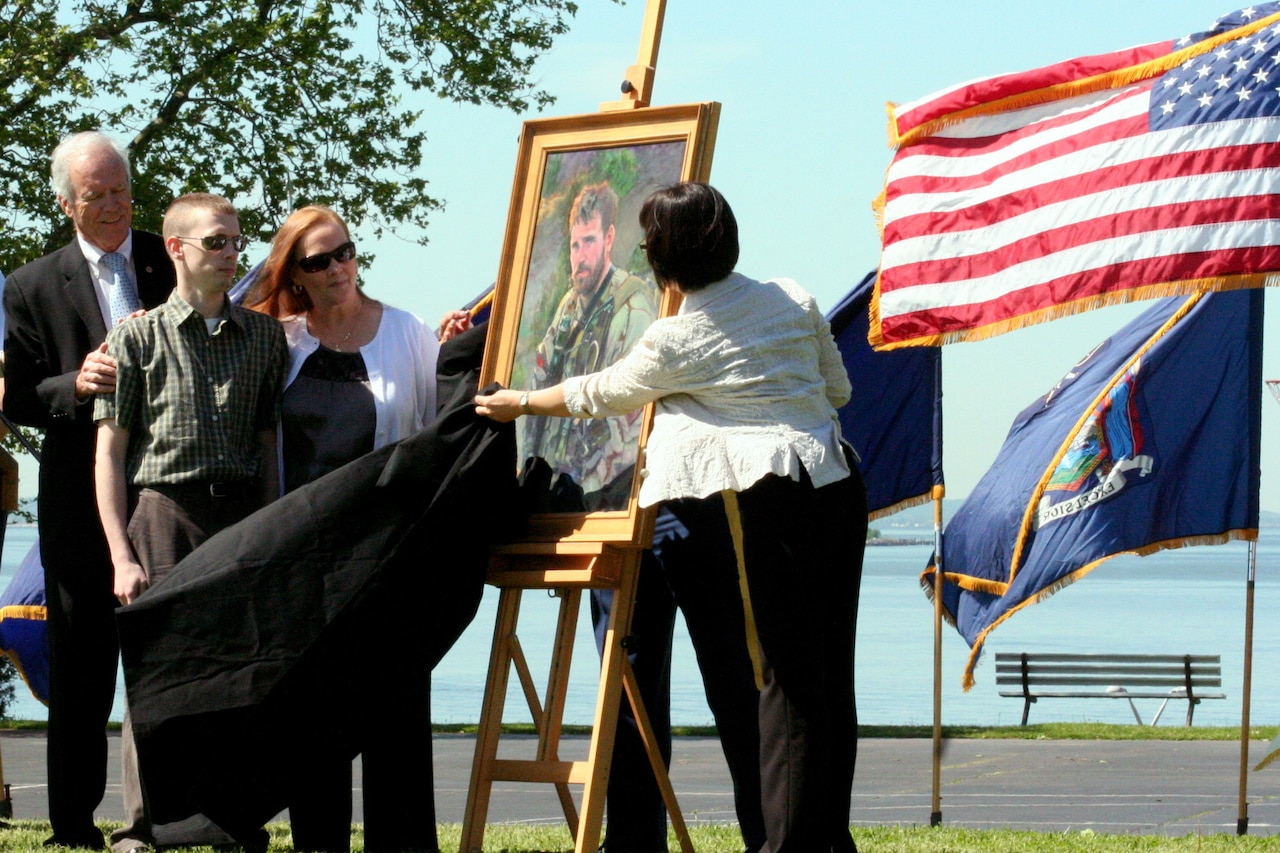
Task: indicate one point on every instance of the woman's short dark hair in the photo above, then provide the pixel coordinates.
(690, 235)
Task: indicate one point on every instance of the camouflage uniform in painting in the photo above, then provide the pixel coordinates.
(587, 335)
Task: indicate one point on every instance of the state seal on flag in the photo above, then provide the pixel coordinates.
(1108, 451)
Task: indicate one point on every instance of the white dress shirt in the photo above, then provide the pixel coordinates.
(747, 380)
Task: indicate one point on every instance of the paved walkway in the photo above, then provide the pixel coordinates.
(1148, 787)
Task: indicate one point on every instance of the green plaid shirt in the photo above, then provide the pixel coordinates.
(193, 402)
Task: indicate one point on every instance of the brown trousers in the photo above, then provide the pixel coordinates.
(166, 523)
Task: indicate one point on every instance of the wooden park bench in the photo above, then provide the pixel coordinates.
(1056, 675)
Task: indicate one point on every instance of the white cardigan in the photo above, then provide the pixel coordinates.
(747, 380)
(401, 361)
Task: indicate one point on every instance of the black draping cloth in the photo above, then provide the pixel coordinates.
(307, 620)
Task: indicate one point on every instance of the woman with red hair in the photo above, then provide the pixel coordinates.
(362, 375)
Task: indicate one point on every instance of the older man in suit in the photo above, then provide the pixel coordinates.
(58, 309)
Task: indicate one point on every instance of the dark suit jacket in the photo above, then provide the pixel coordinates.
(53, 322)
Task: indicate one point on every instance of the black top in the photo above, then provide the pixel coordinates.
(327, 416)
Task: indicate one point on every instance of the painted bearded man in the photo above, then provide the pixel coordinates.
(596, 323)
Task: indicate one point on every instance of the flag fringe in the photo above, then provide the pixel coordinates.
(976, 584)
(1245, 534)
(905, 503)
(874, 336)
(877, 209)
(483, 303)
(1060, 91)
(1272, 755)
(926, 583)
(1067, 309)
(33, 612)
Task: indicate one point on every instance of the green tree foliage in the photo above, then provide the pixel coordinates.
(618, 167)
(19, 444)
(273, 103)
(8, 686)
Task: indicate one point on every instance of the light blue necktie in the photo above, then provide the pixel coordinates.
(122, 296)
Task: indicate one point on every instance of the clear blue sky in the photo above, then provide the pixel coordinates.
(800, 154)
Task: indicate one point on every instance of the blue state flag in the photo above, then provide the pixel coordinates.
(480, 306)
(24, 631)
(894, 419)
(1151, 441)
(240, 290)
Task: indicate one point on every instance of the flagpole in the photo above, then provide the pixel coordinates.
(1242, 819)
(1257, 305)
(935, 817)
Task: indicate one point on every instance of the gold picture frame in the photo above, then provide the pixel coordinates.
(584, 476)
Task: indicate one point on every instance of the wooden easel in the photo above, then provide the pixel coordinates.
(568, 568)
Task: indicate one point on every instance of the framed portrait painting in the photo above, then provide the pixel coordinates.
(574, 293)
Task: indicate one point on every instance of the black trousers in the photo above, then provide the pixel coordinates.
(83, 646)
(803, 551)
(83, 656)
(389, 725)
(396, 757)
(691, 565)
(635, 817)
(791, 748)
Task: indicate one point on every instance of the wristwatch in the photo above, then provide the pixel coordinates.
(524, 403)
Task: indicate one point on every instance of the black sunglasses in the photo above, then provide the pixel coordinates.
(320, 261)
(215, 242)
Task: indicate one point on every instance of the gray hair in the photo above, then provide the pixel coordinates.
(71, 147)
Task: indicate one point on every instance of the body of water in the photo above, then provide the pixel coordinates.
(1190, 600)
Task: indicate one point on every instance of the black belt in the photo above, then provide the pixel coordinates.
(239, 490)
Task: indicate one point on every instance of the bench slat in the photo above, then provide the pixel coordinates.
(1120, 671)
(1108, 681)
(1113, 676)
(1107, 665)
(1102, 694)
(1066, 656)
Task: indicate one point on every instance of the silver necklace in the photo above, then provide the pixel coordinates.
(355, 321)
(338, 346)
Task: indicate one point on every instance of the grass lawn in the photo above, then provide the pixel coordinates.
(887, 839)
(710, 838)
(26, 835)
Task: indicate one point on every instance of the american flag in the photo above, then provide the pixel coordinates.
(1146, 172)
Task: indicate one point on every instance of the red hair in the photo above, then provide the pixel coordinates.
(273, 291)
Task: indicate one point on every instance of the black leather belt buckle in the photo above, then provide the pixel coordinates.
(228, 490)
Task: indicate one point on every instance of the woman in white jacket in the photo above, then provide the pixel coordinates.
(361, 375)
(746, 379)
